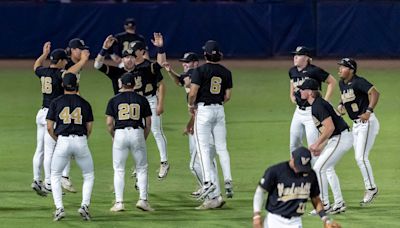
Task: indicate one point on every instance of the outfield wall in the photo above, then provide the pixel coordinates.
(245, 30)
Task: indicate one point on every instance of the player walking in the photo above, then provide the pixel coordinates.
(129, 123)
(289, 185)
(334, 141)
(72, 117)
(359, 98)
(302, 120)
(211, 87)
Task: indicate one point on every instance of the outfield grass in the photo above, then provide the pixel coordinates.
(258, 119)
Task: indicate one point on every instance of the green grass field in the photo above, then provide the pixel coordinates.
(258, 119)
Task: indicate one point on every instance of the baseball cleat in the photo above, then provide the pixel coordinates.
(214, 203)
(84, 212)
(369, 196)
(228, 189)
(67, 184)
(327, 209)
(164, 167)
(338, 208)
(118, 206)
(37, 186)
(206, 190)
(59, 214)
(196, 193)
(144, 205)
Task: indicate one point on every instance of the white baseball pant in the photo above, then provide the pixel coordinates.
(44, 149)
(302, 121)
(125, 140)
(157, 130)
(66, 147)
(277, 221)
(210, 120)
(334, 150)
(364, 137)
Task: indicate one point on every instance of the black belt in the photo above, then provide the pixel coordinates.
(134, 127)
(303, 107)
(66, 135)
(209, 103)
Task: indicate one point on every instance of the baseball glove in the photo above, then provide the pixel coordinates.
(332, 224)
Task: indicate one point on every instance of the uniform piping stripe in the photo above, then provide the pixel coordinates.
(194, 170)
(198, 147)
(319, 173)
(163, 136)
(363, 157)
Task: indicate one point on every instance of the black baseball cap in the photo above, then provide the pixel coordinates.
(189, 57)
(302, 159)
(302, 50)
(70, 81)
(127, 52)
(128, 79)
(130, 22)
(137, 45)
(58, 54)
(211, 47)
(309, 83)
(77, 43)
(348, 62)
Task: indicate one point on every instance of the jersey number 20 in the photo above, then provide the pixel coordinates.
(128, 111)
(67, 116)
(215, 87)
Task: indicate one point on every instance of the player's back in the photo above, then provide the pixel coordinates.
(51, 82)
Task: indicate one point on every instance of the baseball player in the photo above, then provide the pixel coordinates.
(211, 87)
(124, 40)
(289, 185)
(334, 140)
(190, 61)
(359, 98)
(51, 88)
(69, 122)
(302, 120)
(129, 122)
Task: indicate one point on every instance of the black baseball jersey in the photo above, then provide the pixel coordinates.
(70, 112)
(147, 76)
(113, 73)
(124, 40)
(321, 110)
(51, 82)
(298, 77)
(129, 109)
(288, 191)
(213, 80)
(355, 95)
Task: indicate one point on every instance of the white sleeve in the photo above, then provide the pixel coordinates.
(258, 200)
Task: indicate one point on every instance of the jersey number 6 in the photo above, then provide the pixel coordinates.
(215, 87)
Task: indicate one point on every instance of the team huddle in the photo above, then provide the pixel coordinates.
(311, 170)
(64, 123)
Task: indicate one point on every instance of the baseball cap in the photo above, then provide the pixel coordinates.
(309, 84)
(302, 50)
(70, 81)
(130, 22)
(58, 54)
(347, 62)
(128, 79)
(137, 45)
(77, 43)
(189, 57)
(211, 47)
(127, 52)
(302, 159)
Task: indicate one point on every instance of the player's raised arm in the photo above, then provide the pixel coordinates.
(46, 50)
(331, 81)
(76, 68)
(107, 44)
(158, 42)
(172, 74)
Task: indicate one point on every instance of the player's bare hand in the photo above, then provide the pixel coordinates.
(108, 42)
(332, 224)
(47, 48)
(364, 117)
(293, 99)
(158, 40)
(192, 110)
(341, 109)
(167, 66)
(257, 221)
(315, 149)
(85, 55)
(159, 110)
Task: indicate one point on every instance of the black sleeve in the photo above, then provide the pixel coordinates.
(267, 182)
(110, 110)
(40, 71)
(321, 112)
(182, 77)
(111, 71)
(320, 74)
(89, 116)
(362, 85)
(314, 191)
(196, 78)
(229, 81)
(146, 108)
(51, 114)
(156, 69)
